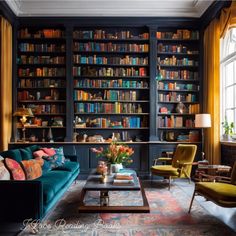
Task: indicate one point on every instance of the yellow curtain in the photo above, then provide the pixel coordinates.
(211, 82)
(5, 84)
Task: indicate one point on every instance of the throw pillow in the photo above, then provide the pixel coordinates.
(40, 160)
(40, 153)
(55, 161)
(59, 151)
(49, 151)
(32, 169)
(15, 169)
(4, 173)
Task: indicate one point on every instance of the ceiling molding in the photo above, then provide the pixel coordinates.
(103, 8)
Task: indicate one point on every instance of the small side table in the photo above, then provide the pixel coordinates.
(211, 171)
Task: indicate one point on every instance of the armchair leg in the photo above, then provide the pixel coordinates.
(169, 182)
(191, 203)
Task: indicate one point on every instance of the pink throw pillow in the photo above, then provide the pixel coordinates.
(15, 169)
(40, 153)
(49, 151)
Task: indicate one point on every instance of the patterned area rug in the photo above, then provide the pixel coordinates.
(168, 216)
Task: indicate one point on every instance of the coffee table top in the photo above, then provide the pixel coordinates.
(94, 183)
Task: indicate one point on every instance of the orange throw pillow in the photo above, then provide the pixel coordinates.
(15, 169)
(32, 169)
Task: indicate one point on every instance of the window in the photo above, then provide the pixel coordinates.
(228, 76)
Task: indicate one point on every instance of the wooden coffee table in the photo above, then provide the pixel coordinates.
(94, 183)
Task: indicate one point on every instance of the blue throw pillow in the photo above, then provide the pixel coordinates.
(60, 153)
(46, 166)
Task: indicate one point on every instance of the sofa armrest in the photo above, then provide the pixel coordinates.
(72, 158)
(21, 200)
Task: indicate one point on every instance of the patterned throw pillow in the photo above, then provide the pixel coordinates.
(60, 153)
(49, 151)
(55, 161)
(32, 169)
(4, 173)
(40, 153)
(15, 169)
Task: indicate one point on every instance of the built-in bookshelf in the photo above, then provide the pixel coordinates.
(41, 82)
(111, 83)
(178, 85)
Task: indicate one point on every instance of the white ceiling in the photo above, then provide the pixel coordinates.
(152, 8)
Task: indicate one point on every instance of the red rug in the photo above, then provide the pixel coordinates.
(168, 216)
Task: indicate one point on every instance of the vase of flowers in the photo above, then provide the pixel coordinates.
(116, 155)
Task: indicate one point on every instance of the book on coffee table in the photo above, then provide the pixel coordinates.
(124, 176)
(123, 182)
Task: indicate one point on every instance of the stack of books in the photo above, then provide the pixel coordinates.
(123, 179)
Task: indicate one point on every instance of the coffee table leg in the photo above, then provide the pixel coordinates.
(104, 198)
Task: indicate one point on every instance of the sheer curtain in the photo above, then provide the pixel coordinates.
(5, 83)
(211, 82)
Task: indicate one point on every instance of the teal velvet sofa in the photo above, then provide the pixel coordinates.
(32, 199)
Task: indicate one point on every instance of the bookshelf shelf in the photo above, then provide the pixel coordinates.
(41, 80)
(178, 84)
(123, 60)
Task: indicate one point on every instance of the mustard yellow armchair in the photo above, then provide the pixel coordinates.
(222, 191)
(181, 164)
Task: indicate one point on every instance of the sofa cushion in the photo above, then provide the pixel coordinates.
(32, 169)
(52, 182)
(26, 154)
(14, 154)
(15, 169)
(69, 166)
(34, 148)
(165, 170)
(4, 173)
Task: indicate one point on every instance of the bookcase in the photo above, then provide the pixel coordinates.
(41, 82)
(178, 84)
(111, 83)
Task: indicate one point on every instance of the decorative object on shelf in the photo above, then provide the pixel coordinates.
(203, 121)
(24, 113)
(181, 108)
(50, 136)
(228, 129)
(115, 153)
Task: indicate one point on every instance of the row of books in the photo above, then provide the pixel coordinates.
(49, 94)
(179, 74)
(120, 83)
(175, 97)
(175, 49)
(44, 47)
(42, 72)
(46, 108)
(175, 122)
(173, 61)
(107, 108)
(77, 71)
(44, 33)
(43, 83)
(189, 109)
(103, 34)
(112, 95)
(127, 60)
(194, 108)
(125, 122)
(110, 47)
(177, 86)
(179, 34)
(23, 59)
